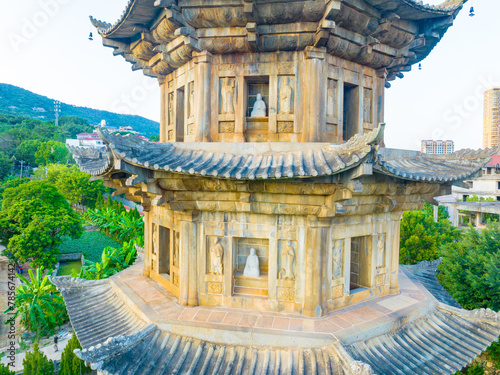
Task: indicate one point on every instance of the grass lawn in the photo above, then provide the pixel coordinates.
(90, 244)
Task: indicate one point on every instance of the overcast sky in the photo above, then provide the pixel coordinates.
(45, 48)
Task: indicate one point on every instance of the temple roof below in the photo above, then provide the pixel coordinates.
(129, 324)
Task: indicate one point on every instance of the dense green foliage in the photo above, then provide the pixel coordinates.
(52, 152)
(6, 164)
(470, 269)
(70, 363)
(77, 187)
(113, 260)
(4, 370)
(90, 244)
(121, 225)
(37, 363)
(24, 101)
(421, 236)
(38, 304)
(33, 220)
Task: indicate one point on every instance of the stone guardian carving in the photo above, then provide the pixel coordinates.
(252, 265)
(259, 107)
(216, 256)
(287, 259)
(286, 95)
(227, 96)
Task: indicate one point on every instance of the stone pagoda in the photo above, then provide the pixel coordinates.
(272, 209)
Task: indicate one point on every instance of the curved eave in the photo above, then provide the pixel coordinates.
(416, 166)
(312, 160)
(142, 12)
(135, 17)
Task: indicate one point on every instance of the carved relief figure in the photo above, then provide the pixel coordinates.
(175, 255)
(259, 107)
(367, 105)
(227, 95)
(338, 259)
(216, 254)
(287, 258)
(191, 100)
(332, 98)
(381, 250)
(286, 98)
(171, 108)
(252, 265)
(155, 242)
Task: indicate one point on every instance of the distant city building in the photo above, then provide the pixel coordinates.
(437, 147)
(491, 121)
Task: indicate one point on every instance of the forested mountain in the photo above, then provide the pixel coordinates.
(17, 101)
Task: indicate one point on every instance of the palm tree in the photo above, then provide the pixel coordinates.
(38, 303)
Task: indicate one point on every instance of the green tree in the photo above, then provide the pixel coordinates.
(5, 165)
(33, 220)
(26, 151)
(38, 304)
(470, 269)
(421, 237)
(4, 370)
(70, 363)
(52, 152)
(77, 188)
(36, 363)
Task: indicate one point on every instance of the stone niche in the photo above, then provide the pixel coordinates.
(309, 96)
(245, 285)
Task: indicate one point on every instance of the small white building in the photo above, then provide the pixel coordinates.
(485, 186)
(86, 140)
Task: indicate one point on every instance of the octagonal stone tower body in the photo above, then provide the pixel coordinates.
(296, 88)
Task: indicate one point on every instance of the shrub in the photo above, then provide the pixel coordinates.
(70, 363)
(36, 363)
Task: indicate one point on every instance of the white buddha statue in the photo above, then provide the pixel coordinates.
(252, 265)
(259, 107)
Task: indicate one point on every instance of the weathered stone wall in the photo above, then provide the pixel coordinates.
(310, 96)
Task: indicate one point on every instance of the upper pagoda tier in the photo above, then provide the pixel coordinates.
(159, 36)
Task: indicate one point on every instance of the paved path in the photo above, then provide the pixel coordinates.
(48, 350)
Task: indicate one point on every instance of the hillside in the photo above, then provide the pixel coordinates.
(17, 101)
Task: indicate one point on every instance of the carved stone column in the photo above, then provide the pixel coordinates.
(202, 95)
(394, 286)
(163, 109)
(148, 243)
(315, 100)
(188, 270)
(316, 267)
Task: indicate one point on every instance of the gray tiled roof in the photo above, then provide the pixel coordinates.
(118, 342)
(249, 161)
(442, 342)
(95, 310)
(417, 166)
(300, 160)
(425, 273)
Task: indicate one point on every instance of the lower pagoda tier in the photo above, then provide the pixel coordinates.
(318, 222)
(129, 324)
